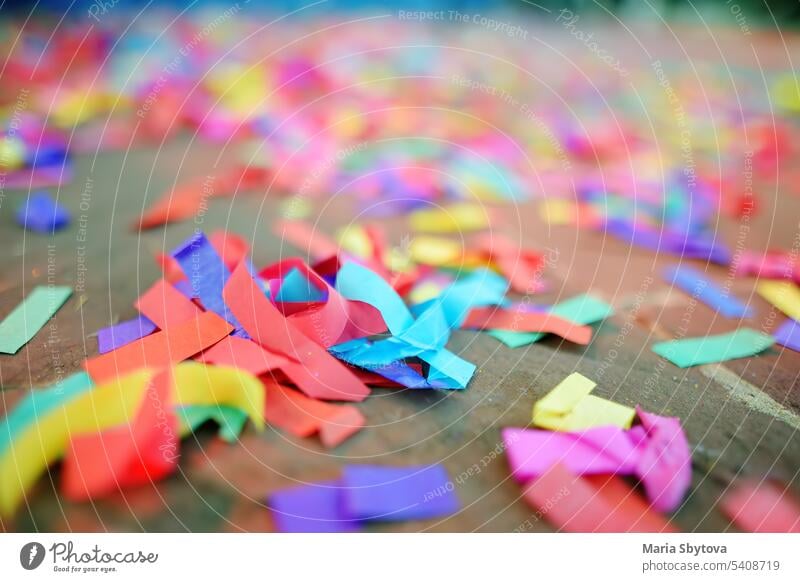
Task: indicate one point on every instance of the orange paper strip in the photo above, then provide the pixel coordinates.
(164, 305)
(576, 504)
(494, 318)
(303, 416)
(243, 354)
(313, 370)
(160, 349)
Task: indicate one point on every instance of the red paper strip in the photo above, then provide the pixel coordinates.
(243, 177)
(169, 267)
(762, 507)
(181, 203)
(327, 321)
(303, 416)
(244, 354)
(165, 306)
(128, 455)
(314, 370)
(494, 318)
(232, 248)
(160, 349)
(330, 322)
(523, 268)
(578, 504)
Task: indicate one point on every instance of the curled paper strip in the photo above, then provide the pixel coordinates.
(655, 451)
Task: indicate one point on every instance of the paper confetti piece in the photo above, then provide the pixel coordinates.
(164, 305)
(312, 369)
(231, 247)
(761, 507)
(27, 318)
(115, 336)
(207, 274)
(328, 319)
(40, 213)
(314, 508)
(231, 420)
(126, 455)
(463, 217)
(131, 415)
(358, 283)
(570, 407)
(694, 283)
(782, 294)
(303, 416)
(40, 402)
(604, 450)
(522, 267)
(181, 203)
(520, 321)
(741, 343)
(160, 349)
(436, 251)
(785, 92)
(242, 353)
(580, 310)
(226, 395)
(371, 492)
(769, 265)
(423, 337)
(45, 441)
(656, 452)
(591, 504)
(665, 463)
(196, 383)
(788, 335)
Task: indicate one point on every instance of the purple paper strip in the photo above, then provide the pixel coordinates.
(372, 492)
(185, 287)
(40, 213)
(115, 336)
(788, 335)
(207, 275)
(695, 283)
(312, 508)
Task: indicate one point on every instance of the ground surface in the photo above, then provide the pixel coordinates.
(741, 418)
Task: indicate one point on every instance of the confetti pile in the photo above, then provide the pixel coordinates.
(296, 344)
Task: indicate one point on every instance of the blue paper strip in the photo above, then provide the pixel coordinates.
(693, 282)
(40, 213)
(207, 276)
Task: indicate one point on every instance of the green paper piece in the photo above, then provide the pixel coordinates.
(582, 310)
(39, 403)
(230, 420)
(695, 351)
(30, 316)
